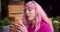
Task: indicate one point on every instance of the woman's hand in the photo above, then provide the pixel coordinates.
(18, 26)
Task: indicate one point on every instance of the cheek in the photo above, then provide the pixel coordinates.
(33, 14)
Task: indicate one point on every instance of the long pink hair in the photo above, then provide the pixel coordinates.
(40, 14)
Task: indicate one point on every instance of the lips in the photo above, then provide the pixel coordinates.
(28, 15)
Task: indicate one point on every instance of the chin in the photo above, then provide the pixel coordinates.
(30, 19)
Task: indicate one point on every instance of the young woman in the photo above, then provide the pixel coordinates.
(34, 20)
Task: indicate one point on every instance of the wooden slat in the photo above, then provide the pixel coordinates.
(15, 7)
(15, 10)
(15, 15)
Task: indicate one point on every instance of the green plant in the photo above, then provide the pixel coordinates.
(5, 22)
(56, 23)
(57, 18)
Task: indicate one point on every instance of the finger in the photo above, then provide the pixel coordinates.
(19, 25)
(20, 28)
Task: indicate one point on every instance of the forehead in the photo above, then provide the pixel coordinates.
(30, 5)
(27, 7)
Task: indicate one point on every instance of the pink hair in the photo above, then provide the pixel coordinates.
(40, 14)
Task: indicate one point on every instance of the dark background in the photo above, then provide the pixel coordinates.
(4, 8)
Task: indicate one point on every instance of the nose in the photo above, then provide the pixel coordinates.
(27, 11)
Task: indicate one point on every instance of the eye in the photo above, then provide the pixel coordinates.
(30, 9)
(25, 10)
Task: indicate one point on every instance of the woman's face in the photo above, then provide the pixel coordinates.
(30, 12)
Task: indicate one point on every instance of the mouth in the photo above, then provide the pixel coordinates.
(28, 15)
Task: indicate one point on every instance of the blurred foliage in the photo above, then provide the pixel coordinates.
(56, 23)
(57, 18)
(5, 22)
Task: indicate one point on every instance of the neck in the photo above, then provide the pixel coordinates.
(32, 22)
